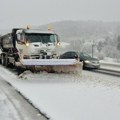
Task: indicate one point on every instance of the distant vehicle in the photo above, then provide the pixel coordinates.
(69, 55)
(88, 61)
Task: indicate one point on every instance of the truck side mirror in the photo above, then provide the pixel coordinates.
(18, 37)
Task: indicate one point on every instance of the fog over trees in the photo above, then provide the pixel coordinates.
(104, 37)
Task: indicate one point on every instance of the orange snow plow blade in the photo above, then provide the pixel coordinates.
(52, 65)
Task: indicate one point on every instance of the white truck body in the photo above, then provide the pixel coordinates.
(36, 49)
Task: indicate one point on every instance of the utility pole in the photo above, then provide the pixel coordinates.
(92, 50)
(93, 44)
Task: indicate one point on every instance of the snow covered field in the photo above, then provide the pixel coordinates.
(89, 96)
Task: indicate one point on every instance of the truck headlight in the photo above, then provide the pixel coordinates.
(27, 44)
(58, 44)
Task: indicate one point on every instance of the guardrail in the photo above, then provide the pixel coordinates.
(110, 66)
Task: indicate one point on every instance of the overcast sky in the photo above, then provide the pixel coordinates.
(19, 13)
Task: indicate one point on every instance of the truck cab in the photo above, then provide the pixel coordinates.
(36, 44)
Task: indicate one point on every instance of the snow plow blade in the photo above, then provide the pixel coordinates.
(52, 65)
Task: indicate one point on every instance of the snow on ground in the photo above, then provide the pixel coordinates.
(7, 111)
(111, 60)
(89, 96)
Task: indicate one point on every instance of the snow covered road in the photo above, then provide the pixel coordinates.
(89, 96)
(14, 107)
(7, 111)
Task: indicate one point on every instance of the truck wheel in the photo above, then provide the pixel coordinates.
(0, 61)
(3, 60)
(6, 61)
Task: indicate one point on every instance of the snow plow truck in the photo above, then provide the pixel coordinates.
(34, 49)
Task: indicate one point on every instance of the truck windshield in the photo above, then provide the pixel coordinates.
(44, 38)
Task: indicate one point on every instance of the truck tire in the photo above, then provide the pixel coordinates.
(0, 60)
(6, 61)
(3, 60)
